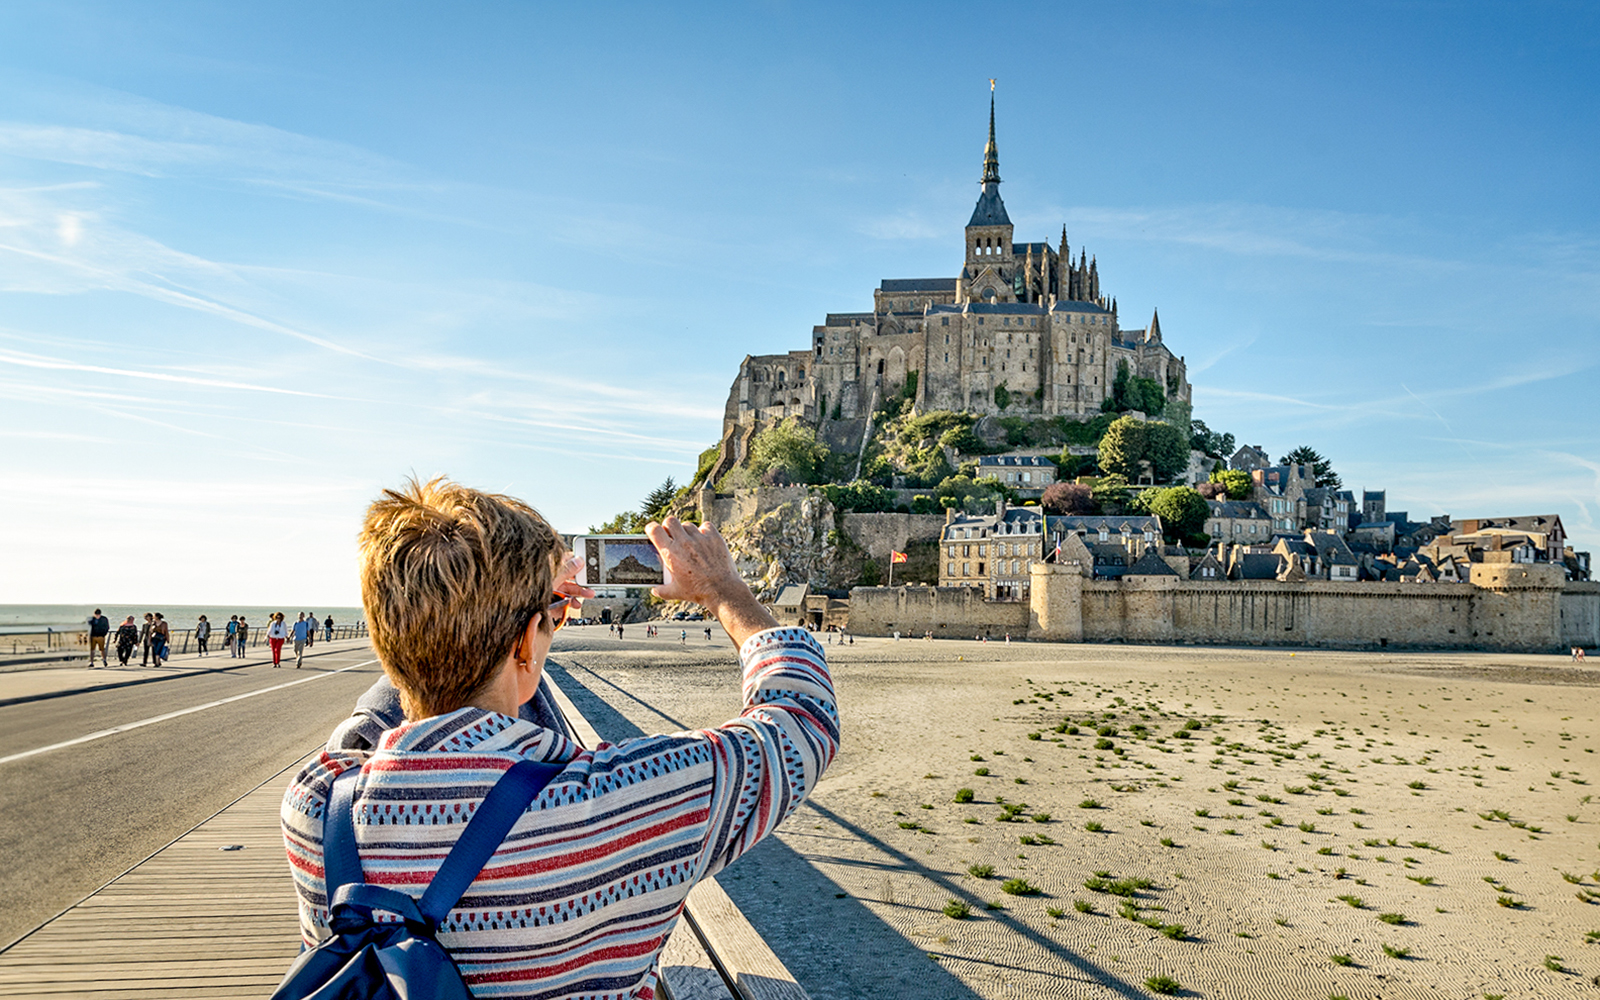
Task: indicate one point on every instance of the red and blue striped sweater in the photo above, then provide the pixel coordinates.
(581, 896)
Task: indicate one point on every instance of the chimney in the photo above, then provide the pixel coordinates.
(1000, 507)
(949, 515)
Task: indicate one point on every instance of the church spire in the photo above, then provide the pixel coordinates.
(991, 152)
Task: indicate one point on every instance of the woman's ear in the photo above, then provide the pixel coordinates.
(528, 641)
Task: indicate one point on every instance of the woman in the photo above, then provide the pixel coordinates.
(160, 639)
(276, 633)
(145, 635)
(202, 632)
(127, 638)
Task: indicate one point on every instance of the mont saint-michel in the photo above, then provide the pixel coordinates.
(1021, 329)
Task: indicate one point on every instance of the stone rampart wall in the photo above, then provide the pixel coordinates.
(949, 612)
(1580, 614)
(742, 505)
(1528, 611)
(879, 533)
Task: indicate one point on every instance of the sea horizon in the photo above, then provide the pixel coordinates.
(18, 619)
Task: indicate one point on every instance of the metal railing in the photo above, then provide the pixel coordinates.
(76, 640)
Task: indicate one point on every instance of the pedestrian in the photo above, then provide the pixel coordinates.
(277, 632)
(708, 633)
(311, 628)
(619, 630)
(202, 635)
(99, 628)
(127, 638)
(683, 637)
(243, 635)
(160, 639)
(144, 637)
(328, 624)
(302, 635)
(233, 635)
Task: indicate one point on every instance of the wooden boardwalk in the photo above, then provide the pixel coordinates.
(193, 920)
(213, 915)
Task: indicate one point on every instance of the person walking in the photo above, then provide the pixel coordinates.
(127, 638)
(328, 624)
(144, 637)
(99, 628)
(244, 635)
(233, 635)
(303, 631)
(277, 632)
(311, 628)
(202, 635)
(160, 639)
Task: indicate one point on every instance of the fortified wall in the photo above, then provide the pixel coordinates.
(1511, 607)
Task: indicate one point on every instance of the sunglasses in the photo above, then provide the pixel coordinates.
(560, 608)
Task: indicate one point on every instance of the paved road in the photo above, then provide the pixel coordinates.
(74, 817)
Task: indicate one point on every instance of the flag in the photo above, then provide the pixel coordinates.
(896, 557)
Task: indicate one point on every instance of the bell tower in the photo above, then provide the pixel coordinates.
(990, 262)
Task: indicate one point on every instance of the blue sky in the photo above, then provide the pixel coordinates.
(257, 262)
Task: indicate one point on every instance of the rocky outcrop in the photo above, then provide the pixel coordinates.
(795, 542)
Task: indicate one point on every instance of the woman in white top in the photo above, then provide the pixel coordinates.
(276, 633)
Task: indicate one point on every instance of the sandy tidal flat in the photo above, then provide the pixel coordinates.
(1079, 821)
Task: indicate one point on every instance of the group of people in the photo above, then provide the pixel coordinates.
(303, 631)
(651, 631)
(155, 637)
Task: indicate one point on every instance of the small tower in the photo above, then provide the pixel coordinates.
(990, 262)
(1153, 335)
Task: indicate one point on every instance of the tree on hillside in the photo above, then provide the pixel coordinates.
(788, 446)
(1133, 392)
(1321, 468)
(1203, 438)
(1183, 511)
(1236, 481)
(1068, 498)
(1130, 442)
(658, 501)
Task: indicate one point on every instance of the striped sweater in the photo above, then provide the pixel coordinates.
(580, 898)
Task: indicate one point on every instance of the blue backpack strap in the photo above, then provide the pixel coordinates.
(499, 812)
(341, 864)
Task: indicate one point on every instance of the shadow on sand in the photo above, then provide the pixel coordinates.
(836, 948)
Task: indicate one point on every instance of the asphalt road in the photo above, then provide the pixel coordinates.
(73, 818)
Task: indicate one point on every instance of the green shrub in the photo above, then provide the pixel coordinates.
(957, 910)
(964, 795)
(1018, 887)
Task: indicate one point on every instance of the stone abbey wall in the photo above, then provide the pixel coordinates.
(1514, 607)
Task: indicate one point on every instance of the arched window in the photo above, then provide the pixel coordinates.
(880, 366)
(800, 373)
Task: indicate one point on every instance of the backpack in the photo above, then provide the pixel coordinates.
(363, 958)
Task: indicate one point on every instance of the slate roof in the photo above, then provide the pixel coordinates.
(1018, 460)
(1332, 549)
(1027, 518)
(1253, 566)
(792, 596)
(1136, 524)
(849, 319)
(1236, 509)
(1074, 305)
(1210, 561)
(1151, 564)
(990, 210)
(917, 285)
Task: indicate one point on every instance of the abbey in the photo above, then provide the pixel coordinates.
(1021, 330)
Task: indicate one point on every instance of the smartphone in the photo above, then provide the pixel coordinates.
(619, 561)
